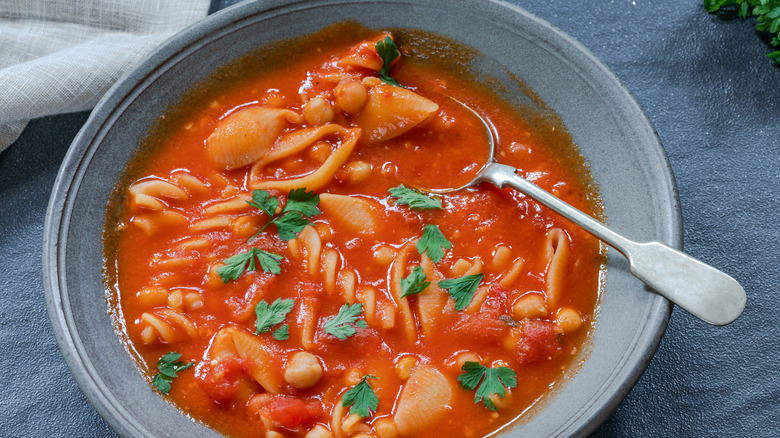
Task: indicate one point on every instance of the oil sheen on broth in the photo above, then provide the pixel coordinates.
(357, 312)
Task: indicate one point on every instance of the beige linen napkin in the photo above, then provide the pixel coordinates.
(59, 56)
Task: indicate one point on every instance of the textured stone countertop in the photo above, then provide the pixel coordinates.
(715, 101)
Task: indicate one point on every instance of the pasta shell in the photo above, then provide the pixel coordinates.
(390, 111)
(157, 188)
(258, 360)
(222, 346)
(319, 177)
(246, 136)
(356, 214)
(364, 55)
(424, 400)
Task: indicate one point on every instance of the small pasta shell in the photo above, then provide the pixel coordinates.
(423, 401)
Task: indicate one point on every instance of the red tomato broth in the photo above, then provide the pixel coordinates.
(476, 221)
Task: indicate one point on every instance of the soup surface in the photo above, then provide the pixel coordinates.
(274, 273)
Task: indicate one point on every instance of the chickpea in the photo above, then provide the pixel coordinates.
(350, 96)
(193, 301)
(318, 111)
(355, 171)
(385, 428)
(319, 152)
(213, 277)
(384, 255)
(274, 99)
(175, 299)
(500, 402)
(318, 431)
(371, 81)
(455, 363)
(568, 319)
(303, 370)
(353, 377)
(404, 366)
(244, 226)
(324, 230)
(530, 305)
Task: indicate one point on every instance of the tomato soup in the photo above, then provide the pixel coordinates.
(278, 270)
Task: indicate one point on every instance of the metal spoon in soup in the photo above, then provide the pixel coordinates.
(705, 292)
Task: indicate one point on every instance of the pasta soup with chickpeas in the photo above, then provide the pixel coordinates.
(276, 273)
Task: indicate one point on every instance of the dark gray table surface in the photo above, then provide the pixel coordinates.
(715, 101)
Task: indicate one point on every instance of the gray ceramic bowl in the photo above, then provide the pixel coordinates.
(619, 143)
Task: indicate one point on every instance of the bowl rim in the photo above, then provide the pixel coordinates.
(84, 145)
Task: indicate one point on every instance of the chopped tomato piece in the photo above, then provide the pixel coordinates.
(540, 340)
(226, 381)
(484, 326)
(291, 412)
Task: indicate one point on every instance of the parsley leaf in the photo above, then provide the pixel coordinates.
(269, 316)
(293, 217)
(302, 201)
(169, 365)
(767, 16)
(340, 325)
(362, 398)
(461, 289)
(414, 283)
(414, 199)
(282, 333)
(235, 265)
(388, 51)
(264, 201)
(496, 380)
(289, 225)
(433, 242)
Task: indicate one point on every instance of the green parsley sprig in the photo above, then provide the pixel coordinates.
(342, 325)
(414, 283)
(462, 289)
(169, 366)
(388, 51)
(433, 243)
(282, 333)
(269, 316)
(494, 381)
(414, 199)
(245, 261)
(293, 217)
(362, 398)
(767, 13)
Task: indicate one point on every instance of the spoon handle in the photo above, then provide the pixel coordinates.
(705, 292)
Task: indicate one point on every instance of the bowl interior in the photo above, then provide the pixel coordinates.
(625, 157)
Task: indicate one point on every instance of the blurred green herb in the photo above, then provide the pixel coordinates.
(237, 264)
(362, 398)
(342, 325)
(169, 366)
(388, 51)
(767, 13)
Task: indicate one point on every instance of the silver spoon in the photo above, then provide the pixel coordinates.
(707, 293)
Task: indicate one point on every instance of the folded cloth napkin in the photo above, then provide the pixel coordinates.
(59, 56)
